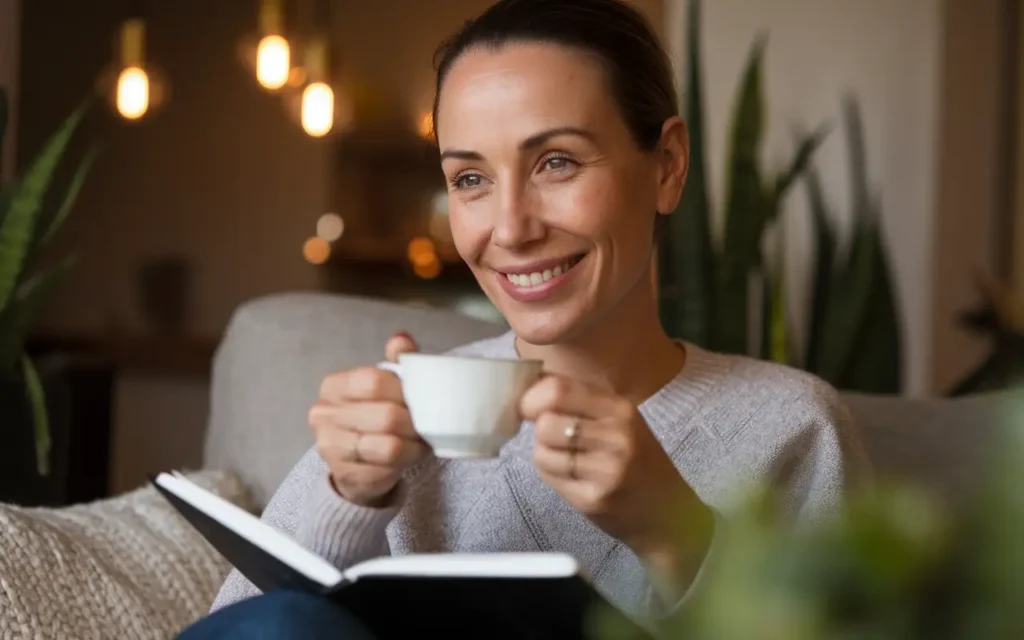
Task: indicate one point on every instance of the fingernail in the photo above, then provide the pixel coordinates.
(403, 334)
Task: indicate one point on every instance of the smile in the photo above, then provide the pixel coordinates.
(531, 283)
(540, 277)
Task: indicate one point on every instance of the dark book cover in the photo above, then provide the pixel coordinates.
(442, 593)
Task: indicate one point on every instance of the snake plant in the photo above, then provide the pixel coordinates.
(29, 218)
(704, 286)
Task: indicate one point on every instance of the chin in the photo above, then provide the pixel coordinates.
(551, 326)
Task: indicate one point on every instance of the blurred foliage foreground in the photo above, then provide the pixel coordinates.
(894, 564)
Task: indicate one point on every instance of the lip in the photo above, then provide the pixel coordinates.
(540, 291)
(539, 265)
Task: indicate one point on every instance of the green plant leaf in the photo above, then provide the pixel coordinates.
(687, 266)
(40, 421)
(17, 317)
(71, 195)
(875, 364)
(745, 214)
(824, 270)
(800, 163)
(4, 115)
(19, 225)
(864, 283)
(846, 310)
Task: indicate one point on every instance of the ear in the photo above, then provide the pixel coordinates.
(674, 160)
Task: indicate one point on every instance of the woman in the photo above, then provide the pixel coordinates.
(562, 147)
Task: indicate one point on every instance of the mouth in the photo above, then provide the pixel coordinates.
(540, 280)
(538, 275)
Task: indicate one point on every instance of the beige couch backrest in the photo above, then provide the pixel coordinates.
(277, 349)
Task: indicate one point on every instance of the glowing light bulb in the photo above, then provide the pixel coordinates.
(132, 93)
(317, 109)
(273, 62)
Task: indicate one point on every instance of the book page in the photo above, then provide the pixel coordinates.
(248, 526)
(469, 565)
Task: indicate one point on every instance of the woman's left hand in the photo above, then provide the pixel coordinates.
(595, 449)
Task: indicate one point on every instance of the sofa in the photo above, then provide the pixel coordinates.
(130, 567)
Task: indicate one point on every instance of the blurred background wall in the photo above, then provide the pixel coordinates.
(221, 179)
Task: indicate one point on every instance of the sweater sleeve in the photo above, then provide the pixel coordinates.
(307, 508)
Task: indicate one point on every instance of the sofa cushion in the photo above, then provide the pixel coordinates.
(274, 354)
(942, 445)
(126, 567)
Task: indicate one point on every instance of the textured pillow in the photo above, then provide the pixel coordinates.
(125, 567)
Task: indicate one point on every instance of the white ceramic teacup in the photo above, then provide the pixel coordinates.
(463, 406)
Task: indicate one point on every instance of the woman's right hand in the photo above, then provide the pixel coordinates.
(363, 429)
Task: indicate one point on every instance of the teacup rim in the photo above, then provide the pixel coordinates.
(453, 356)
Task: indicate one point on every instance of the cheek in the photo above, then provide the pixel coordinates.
(609, 211)
(469, 232)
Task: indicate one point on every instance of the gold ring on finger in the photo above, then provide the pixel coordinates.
(572, 432)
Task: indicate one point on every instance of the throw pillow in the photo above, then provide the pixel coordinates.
(125, 567)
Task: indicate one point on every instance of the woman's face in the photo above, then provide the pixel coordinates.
(551, 202)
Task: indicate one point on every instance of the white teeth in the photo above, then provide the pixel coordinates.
(537, 277)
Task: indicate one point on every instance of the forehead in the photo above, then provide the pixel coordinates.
(524, 87)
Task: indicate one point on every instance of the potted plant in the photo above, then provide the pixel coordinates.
(30, 215)
(854, 334)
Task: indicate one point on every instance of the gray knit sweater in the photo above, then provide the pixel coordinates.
(725, 421)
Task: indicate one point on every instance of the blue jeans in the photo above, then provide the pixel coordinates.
(282, 615)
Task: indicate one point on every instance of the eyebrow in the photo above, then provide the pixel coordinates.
(533, 141)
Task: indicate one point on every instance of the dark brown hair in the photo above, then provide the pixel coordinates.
(638, 69)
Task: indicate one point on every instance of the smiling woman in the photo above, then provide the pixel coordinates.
(561, 146)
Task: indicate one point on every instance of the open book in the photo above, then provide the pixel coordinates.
(540, 594)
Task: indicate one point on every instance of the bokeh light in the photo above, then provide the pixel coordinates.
(316, 250)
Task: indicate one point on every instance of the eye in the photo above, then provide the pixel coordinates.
(557, 163)
(467, 180)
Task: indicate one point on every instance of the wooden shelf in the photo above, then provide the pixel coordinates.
(171, 355)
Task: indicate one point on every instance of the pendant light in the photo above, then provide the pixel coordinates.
(132, 93)
(272, 56)
(317, 109)
(133, 86)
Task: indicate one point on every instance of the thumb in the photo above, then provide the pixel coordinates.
(401, 342)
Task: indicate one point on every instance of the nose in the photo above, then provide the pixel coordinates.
(516, 220)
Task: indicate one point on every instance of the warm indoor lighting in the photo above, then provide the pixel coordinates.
(421, 250)
(133, 86)
(273, 61)
(316, 250)
(426, 125)
(317, 109)
(132, 93)
(428, 270)
(330, 226)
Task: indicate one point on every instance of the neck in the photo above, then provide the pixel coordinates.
(628, 351)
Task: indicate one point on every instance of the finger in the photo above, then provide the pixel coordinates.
(346, 448)
(362, 383)
(366, 417)
(573, 397)
(388, 450)
(561, 431)
(399, 343)
(565, 465)
(363, 476)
